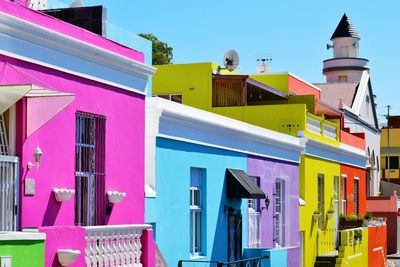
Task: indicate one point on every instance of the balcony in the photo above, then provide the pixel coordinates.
(254, 229)
(318, 126)
(391, 174)
(356, 140)
(345, 64)
(114, 245)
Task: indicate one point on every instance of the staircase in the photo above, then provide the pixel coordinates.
(325, 261)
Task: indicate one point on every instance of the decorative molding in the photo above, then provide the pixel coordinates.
(63, 194)
(36, 44)
(115, 196)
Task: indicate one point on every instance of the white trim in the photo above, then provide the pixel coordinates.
(354, 256)
(344, 175)
(356, 178)
(39, 37)
(4, 236)
(377, 249)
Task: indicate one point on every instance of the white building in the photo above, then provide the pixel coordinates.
(348, 86)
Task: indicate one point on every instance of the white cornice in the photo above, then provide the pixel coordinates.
(62, 52)
(218, 127)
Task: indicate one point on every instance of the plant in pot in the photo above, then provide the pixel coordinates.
(349, 222)
(358, 236)
(330, 213)
(317, 215)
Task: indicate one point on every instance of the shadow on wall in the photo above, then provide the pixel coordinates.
(52, 209)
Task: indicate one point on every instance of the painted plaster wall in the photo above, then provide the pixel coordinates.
(353, 254)
(64, 237)
(269, 170)
(124, 163)
(377, 247)
(24, 252)
(172, 214)
(351, 173)
(310, 167)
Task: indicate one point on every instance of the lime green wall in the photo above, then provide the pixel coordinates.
(282, 118)
(309, 100)
(193, 81)
(310, 168)
(353, 254)
(24, 252)
(277, 81)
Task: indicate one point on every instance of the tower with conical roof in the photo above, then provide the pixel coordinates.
(346, 65)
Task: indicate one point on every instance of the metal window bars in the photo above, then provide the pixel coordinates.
(3, 137)
(250, 262)
(9, 167)
(90, 169)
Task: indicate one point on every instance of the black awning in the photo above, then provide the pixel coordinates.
(240, 185)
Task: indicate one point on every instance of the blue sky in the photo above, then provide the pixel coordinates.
(293, 33)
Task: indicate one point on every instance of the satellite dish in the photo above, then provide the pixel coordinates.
(231, 60)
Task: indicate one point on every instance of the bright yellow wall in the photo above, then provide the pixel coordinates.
(277, 81)
(310, 167)
(394, 138)
(352, 254)
(193, 81)
(287, 119)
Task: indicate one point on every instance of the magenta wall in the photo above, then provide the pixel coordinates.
(124, 160)
(269, 170)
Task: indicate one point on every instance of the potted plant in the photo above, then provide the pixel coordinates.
(357, 236)
(349, 222)
(317, 215)
(330, 213)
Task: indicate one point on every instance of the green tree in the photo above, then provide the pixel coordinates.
(162, 52)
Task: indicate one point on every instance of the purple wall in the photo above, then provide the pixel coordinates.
(268, 170)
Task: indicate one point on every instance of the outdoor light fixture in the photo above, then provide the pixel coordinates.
(266, 203)
(37, 155)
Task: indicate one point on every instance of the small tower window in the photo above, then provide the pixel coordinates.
(344, 51)
(343, 78)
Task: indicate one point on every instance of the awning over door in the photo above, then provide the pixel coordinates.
(240, 185)
(42, 103)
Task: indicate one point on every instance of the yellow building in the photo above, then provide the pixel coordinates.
(390, 151)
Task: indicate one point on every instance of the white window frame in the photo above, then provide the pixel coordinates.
(196, 209)
(279, 210)
(170, 96)
(343, 189)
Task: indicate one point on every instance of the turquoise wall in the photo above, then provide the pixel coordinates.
(170, 209)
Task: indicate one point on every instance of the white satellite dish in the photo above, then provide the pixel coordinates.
(231, 60)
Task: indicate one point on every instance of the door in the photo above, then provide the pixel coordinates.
(234, 235)
(336, 208)
(8, 193)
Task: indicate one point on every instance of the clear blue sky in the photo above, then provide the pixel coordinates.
(293, 33)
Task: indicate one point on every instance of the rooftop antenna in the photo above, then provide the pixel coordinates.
(231, 60)
(263, 66)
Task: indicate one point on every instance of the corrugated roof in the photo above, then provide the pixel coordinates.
(345, 29)
(332, 92)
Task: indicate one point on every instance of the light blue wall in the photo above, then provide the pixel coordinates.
(170, 209)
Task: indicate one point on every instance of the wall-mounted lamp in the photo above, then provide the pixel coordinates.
(38, 156)
(266, 203)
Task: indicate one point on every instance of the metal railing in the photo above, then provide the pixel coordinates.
(313, 124)
(114, 245)
(250, 262)
(254, 229)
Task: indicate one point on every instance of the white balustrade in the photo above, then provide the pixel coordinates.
(330, 131)
(254, 229)
(114, 245)
(313, 125)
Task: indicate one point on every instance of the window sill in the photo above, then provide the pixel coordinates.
(197, 257)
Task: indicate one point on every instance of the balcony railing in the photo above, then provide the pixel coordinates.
(313, 125)
(254, 229)
(325, 128)
(114, 245)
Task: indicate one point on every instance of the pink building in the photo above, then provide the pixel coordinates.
(69, 102)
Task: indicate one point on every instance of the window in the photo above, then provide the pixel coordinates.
(279, 209)
(343, 193)
(343, 79)
(344, 51)
(356, 191)
(172, 97)
(90, 204)
(392, 162)
(3, 137)
(196, 211)
(321, 196)
(253, 224)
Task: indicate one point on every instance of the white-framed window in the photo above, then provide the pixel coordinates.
(343, 194)
(254, 217)
(279, 208)
(343, 78)
(172, 97)
(344, 51)
(356, 197)
(196, 211)
(321, 199)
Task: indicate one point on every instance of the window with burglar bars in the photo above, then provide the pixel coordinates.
(196, 225)
(90, 204)
(321, 199)
(279, 209)
(3, 137)
(356, 189)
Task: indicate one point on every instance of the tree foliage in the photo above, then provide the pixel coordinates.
(162, 52)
